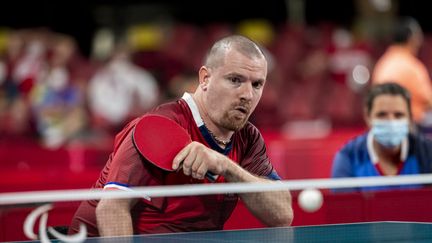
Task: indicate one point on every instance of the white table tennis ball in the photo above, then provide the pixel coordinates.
(310, 200)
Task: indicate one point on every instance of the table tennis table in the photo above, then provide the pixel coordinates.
(354, 232)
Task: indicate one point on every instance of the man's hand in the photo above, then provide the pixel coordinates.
(272, 208)
(196, 159)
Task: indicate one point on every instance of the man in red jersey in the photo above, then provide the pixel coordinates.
(231, 83)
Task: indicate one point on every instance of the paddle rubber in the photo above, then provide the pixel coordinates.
(159, 139)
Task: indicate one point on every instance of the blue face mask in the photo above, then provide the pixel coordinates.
(390, 133)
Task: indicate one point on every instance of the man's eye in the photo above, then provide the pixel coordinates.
(235, 80)
(257, 85)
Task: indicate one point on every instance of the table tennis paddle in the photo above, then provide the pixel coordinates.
(159, 139)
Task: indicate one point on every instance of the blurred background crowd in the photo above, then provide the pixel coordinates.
(76, 73)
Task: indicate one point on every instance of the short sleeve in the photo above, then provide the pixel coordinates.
(127, 167)
(256, 160)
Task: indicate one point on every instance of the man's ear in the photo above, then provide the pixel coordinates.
(203, 76)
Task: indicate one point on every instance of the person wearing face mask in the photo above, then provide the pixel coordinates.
(389, 147)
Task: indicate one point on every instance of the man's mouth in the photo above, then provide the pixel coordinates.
(242, 109)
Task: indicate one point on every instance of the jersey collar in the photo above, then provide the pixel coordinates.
(201, 126)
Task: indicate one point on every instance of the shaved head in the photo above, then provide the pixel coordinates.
(215, 57)
(235, 68)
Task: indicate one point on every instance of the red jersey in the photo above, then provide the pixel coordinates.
(126, 168)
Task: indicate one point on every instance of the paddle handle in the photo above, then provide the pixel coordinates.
(210, 176)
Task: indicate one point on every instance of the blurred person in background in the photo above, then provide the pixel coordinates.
(231, 82)
(23, 59)
(57, 101)
(32, 60)
(400, 64)
(389, 147)
(347, 55)
(120, 90)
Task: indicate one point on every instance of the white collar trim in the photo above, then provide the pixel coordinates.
(194, 109)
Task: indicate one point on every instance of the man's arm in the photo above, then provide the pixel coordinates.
(272, 208)
(113, 216)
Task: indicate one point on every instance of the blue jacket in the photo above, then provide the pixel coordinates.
(354, 160)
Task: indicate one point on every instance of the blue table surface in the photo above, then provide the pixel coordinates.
(356, 232)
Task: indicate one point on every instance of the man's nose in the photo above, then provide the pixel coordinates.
(247, 91)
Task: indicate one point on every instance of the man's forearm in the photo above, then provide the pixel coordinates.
(113, 220)
(272, 208)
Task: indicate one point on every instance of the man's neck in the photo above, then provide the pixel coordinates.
(216, 131)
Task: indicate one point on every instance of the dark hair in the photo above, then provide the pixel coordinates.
(387, 89)
(405, 29)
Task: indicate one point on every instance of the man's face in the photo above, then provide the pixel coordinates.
(234, 89)
(388, 107)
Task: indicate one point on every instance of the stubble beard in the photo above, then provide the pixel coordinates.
(232, 122)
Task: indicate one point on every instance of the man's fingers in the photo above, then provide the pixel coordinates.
(180, 157)
(202, 170)
(189, 161)
(195, 160)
